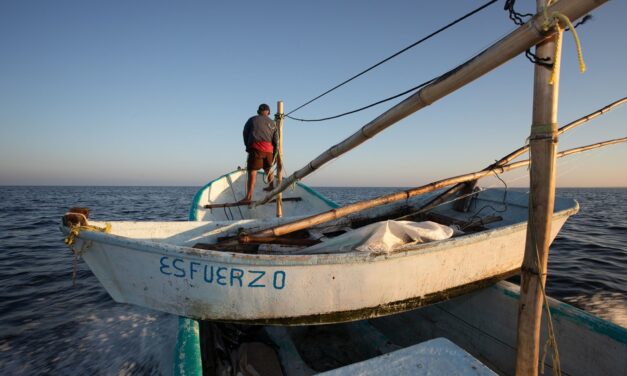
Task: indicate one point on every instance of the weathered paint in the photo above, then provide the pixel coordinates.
(381, 310)
(229, 286)
(187, 359)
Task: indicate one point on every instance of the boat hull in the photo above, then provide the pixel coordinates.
(305, 289)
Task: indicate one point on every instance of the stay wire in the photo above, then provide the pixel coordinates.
(386, 60)
(365, 107)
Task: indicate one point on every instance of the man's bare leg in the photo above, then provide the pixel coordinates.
(250, 186)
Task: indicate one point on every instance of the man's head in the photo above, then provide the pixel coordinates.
(262, 109)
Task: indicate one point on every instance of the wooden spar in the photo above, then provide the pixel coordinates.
(279, 157)
(392, 197)
(590, 147)
(469, 186)
(591, 116)
(542, 152)
(507, 48)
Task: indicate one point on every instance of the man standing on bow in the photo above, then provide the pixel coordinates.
(261, 139)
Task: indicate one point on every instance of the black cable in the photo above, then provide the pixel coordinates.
(365, 107)
(391, 57)
(544, 61)
(585, 19)
(515, 16)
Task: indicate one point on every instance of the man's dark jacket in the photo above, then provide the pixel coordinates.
(260, 128)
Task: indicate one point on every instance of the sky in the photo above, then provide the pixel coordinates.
(157, 92)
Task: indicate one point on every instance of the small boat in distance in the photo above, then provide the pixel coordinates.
(181, 268)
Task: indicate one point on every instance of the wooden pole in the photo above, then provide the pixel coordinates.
(469, 186)
(393, 197)
(507, 48)
(279, 161)
(590, 147)
(542, 150)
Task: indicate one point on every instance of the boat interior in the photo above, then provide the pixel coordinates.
(485, 210)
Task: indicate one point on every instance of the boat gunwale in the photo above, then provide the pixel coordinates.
(292, 260)
(193, 211)
(571, 313)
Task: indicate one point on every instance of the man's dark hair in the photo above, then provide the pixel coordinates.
(263, 107)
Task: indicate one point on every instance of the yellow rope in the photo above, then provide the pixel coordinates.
(557, 57)
(76, 230)
(69, 240)
(566, 20)
(551, 21)
(551, 340)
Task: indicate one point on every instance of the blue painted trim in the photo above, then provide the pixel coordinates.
(580, 317)
(193, 211)
(187, 359)
(327, 201)
(596, 324)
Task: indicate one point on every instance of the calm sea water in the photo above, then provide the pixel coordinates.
(47, 326)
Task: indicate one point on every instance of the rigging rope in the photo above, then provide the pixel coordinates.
(389, 58)
(551, 340)
(517, 18)
(366, 107)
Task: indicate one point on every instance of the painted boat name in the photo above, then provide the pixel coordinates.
(221, 275)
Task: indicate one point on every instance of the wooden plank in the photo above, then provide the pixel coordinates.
(233, 204)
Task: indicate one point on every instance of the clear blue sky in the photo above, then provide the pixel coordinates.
(157, 92)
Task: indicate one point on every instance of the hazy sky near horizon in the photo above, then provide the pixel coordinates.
(157, 92)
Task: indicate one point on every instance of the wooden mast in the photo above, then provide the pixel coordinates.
(279, 160)
(542, 150)
(505, 49)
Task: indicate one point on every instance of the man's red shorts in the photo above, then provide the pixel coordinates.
(259, 159)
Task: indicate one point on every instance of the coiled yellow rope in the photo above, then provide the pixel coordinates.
(76, 230)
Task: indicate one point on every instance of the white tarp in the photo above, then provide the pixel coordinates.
(382, 237)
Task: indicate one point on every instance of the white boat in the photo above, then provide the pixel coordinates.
(200, 270)
(152, 264)
(159, 264)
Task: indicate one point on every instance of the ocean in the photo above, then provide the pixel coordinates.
(48, 326)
